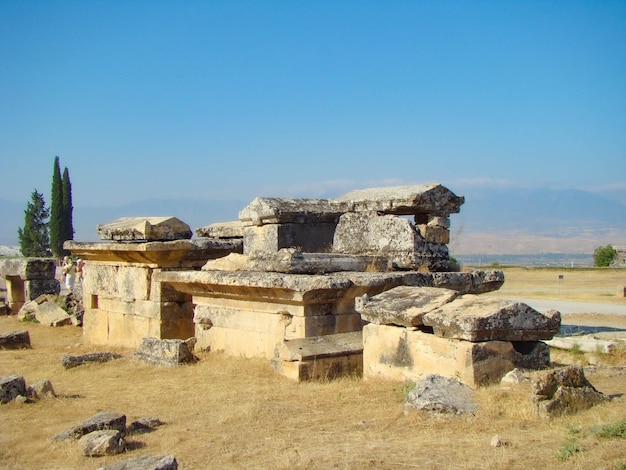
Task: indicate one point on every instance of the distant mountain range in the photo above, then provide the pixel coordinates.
(492, 220)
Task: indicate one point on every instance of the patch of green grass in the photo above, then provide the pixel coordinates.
(576, 350)
(613, 430)
(568, 450)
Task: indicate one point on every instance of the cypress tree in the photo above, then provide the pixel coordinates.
(56, 224)
(33, 238)
(68, 226)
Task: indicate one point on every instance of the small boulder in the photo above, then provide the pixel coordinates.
(148, 462)
(101, 443)
(441, 395)
(99, 421)
(41, 389)
(166, 352)
(70, 362)
(564, 391)
(12, 386)
(15, 340)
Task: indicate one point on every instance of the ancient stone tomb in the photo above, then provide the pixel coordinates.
(297, 280)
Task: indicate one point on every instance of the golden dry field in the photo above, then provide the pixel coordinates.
(236, 413)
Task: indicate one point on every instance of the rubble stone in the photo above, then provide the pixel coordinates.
(101, 443)
(441, 395)
(45, 311)
(166, 352)
(564, 391)
(99, 421)
(15, 340)
(41, 389)
(11, 386)
(147, 462)
(69, 362)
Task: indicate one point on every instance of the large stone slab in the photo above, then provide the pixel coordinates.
(100, 421)
(401, 354)
(233, 229)
(271, 210)
(475, 318)
(292, 261)
(144, 229)
(45, 311)
(432, 199)
(403, 305)
(475, 282)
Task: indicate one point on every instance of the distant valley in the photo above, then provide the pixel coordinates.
(492, 221)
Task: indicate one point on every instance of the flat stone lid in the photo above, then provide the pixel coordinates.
(272, 210)
(232, 229)
(145, 229)
(432, 199)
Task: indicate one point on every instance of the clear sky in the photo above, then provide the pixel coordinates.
(237, 99)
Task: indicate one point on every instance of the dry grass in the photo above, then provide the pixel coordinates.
(236, 413)
(581, 285)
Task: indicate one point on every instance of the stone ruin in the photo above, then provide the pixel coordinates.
(26, 279)
(315, 285)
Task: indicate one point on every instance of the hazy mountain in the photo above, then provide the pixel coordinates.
(514, 221)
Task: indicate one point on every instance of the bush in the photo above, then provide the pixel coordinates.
(603, 256)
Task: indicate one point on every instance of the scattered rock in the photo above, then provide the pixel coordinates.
(148, 462)
(515, 377)
(41, 389)
(15, 340)
(70, 362)
(143, 425)
(564, 391)
(166, 352)
(45, 310)
(12, 386)
(101, 443)
(100, 421)
(441, 395)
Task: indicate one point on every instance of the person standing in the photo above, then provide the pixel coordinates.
(69, 270)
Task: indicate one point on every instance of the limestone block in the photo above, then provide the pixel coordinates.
(163, 292)
(441, 395)
(432, 199)
(318, 325)
(47, 312)
(15, 340)
(166, 352)
(344, 344)
(403, 305)
(397, 353)
(231, 262)
(12, 386)
(101, 443)
(146, 462)
(36, 287)
(144, 229)
(96, 326)
(126, 283)
(237, 342)
(310, 237)
(434, 234)
(292, 261)
(475, 318)
(41, 389)
(221, 230)
(268, 210)
(324, 368)
(243, 320)
(28, 268)
(475, 282)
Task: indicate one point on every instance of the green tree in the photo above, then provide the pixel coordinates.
(34, 240)
(68, 226)
(604, 255)
(56, 224)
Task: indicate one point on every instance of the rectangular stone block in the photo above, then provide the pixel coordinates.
(326, 368)
(117, 281)
(95, 326)
(435, 234)
(244, 320)
(36, 287)
(310, 238)
(237, 342)
(401, 354)
(304, 327)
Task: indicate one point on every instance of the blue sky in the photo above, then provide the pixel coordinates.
(237, 99)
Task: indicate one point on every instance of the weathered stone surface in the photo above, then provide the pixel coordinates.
(514, 377)
(99, 421)
(292, 261)
(11, 386)
(41, 389)
(28, 268)
(45, 311)
(564, 391)
(162, 462)
(475, 318)
(36, 287)
(231, 262)
(143, 425)
(317, 347)
(324, 368)
(15, 340)
(475, 282)
(441, 395)
(101, 443)
(403, 305)
(270, 210)
(69, 362)
(144, 229)
(397, 353)
(433, 199)
(310, 238)
(232, 229)
(166, 352)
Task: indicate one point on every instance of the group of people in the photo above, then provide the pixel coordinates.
(72, 271)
